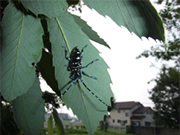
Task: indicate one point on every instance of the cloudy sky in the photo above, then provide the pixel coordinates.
(129, 75)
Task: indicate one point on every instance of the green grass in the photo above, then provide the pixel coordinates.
(98, 132)
(84, 132)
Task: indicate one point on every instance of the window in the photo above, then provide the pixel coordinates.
(118, 121)
(126, 114)
(119, 111)
(148, 124)
(148, 112)
(113, 121)
(136, 123)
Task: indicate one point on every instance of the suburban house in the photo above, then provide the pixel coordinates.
(130, 114)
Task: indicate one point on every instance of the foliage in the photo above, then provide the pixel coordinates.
(28, 113)
(58, 123)
(165, 93)
(84, 132)
(33, 33)
(50, 125)
(171, 54)
(8, 125)
(135, 15)
(54, 125)
(129, 129)
(171, 16)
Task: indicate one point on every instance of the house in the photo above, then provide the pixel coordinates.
(130, 114)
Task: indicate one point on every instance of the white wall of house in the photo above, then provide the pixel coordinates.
(125, 114)
(148, 119)
(122, 114)
(119, 115)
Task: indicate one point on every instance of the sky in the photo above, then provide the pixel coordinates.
(129, 75)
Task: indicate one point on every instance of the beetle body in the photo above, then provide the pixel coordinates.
(75, 64)
(75, 67)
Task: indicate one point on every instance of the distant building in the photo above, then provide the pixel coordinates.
(130, 113)
(63, 116)
(68, 121)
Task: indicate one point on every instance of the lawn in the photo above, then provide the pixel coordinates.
(84, 132)
(98, 132)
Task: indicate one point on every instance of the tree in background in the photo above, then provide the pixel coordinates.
(165, 96)
(165, 93)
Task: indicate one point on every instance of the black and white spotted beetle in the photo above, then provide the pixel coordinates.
(76, 67)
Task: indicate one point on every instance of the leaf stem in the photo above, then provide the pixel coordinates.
(66, 42)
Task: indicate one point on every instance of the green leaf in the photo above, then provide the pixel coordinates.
(50, 8)
(65, 32)
(88, 31)
(29, 110)
(21, 46)
(20, 133)
(8, 125)
(58, 123)
(47, 71)
(138, 16)
(50, 125)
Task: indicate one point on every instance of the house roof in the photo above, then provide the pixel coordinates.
(141, 110)
(125, 105)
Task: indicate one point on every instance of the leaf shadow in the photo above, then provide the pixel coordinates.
(68, 83)
(90, 101)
